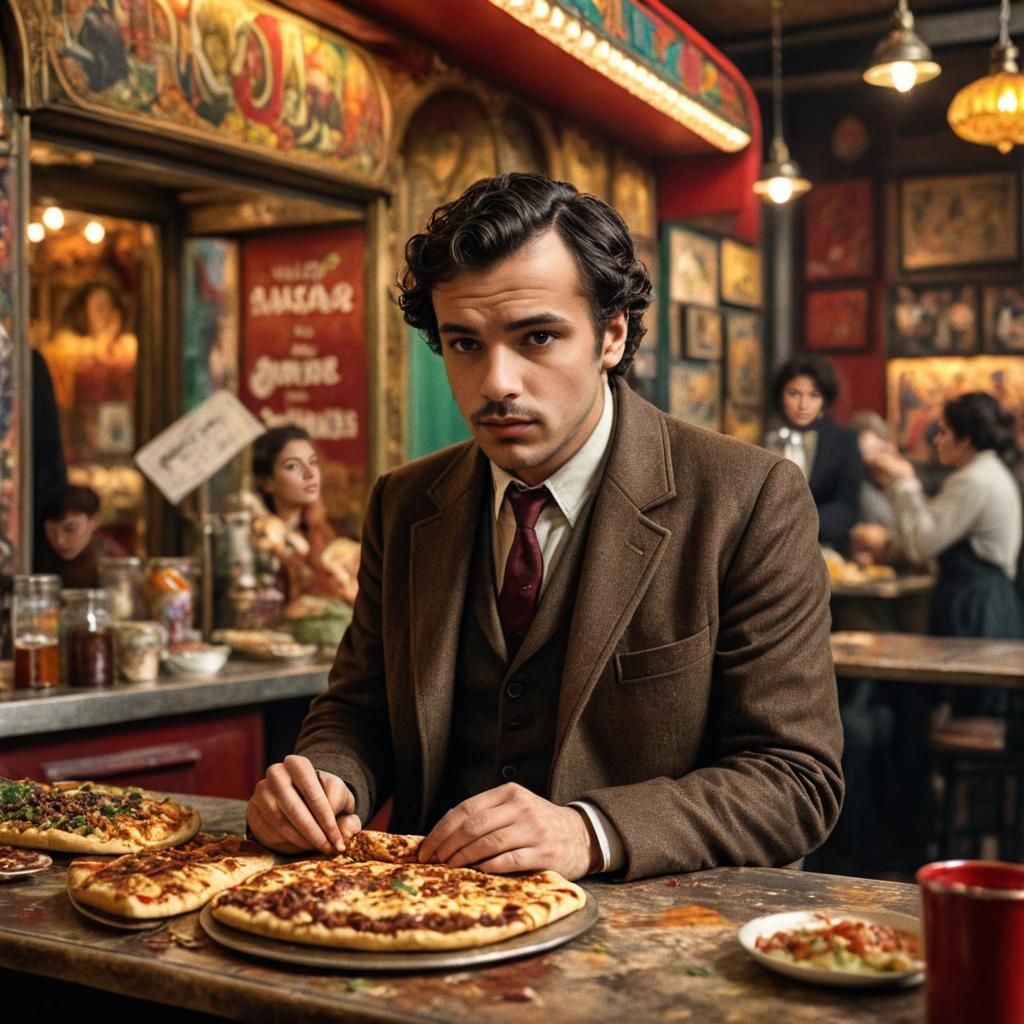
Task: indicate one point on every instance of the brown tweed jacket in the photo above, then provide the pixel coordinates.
(697, 705)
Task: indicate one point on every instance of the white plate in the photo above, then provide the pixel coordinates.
(768, 926)
(39, 862)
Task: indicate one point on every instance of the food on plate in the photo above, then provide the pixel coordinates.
(161, 883)
(13, 860)
(263, 643)
(843, 571)
(859, 947)
(373, 905)
(85, 817)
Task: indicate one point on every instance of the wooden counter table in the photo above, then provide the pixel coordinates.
(914, 658)
(664, 950)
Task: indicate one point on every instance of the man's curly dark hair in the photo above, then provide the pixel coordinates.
(496, 216)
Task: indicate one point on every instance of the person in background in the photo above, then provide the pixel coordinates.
(69, 549)
(286, 468)
(803, 390)
(973, 525)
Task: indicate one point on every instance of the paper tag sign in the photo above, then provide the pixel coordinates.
(193, 448)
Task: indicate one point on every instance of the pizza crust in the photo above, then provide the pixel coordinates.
(179, 889)
(73, 842)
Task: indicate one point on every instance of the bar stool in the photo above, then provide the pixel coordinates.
(981, 763)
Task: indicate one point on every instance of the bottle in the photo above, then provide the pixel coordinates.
(170, 594)
(35, 615)
(87, 638)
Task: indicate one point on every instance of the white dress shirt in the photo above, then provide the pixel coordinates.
(571, 487)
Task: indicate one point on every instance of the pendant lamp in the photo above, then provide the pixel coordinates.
(902, 59)
(990, 111)
(780, 179)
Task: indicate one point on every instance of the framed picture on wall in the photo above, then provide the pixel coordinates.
(701, 333)
(1003, 319)
(933, 320)
(744, 359)
(741, 274)
(837, 320)
(918, 388)
(959, 220)
(743, 422)
(695, 393)
(693, 268)
(839, 231)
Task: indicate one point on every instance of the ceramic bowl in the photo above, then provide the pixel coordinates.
(204, 661)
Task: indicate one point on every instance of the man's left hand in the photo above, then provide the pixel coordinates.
(510, 829)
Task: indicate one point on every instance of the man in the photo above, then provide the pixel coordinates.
(669, 702)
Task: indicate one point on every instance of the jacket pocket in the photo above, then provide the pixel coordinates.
(635, 666)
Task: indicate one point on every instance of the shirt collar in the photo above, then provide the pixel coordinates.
(573, 484)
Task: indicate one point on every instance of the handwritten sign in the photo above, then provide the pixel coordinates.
(193, 448)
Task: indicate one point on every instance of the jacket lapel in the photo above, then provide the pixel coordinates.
(441, 549)
(624, 548)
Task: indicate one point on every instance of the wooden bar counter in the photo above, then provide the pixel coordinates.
(664, 950)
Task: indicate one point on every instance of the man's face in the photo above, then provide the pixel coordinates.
(70, 534)
(522, 359)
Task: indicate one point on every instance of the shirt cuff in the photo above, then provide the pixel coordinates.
(613, 852)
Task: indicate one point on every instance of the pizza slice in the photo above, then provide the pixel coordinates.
(384, 846)
(162, 883)
(373, 905)
(86, 817)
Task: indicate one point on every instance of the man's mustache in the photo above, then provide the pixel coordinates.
(504, 411)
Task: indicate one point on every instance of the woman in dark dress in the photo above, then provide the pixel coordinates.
(803, 390)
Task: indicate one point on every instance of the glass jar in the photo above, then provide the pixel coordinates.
(35, 618)
(137, 647)
(121, 578)
(87, 638)
(170, 591)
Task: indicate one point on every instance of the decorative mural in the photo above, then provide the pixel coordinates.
(235, 70)
(667, 50)
(8, 394)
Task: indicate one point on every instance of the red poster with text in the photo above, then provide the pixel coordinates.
(304, 351)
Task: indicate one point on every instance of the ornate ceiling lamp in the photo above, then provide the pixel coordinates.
(902, 59)
(990, 111)
(780, 179)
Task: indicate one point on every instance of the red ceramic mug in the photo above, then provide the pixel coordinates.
(974, 941)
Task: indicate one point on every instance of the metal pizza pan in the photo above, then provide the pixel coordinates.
(564, 930)
(38, 862)
(127, 924)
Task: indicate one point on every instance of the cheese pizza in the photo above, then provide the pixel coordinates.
(161, 883)
(86, 817)
(373, 905)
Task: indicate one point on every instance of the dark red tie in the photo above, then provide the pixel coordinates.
(524, 568)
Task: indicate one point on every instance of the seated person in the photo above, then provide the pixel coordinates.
(592, 638)
(68, 548)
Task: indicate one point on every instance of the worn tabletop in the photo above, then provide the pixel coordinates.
(897, 586)
(664, 950)
(912, 658)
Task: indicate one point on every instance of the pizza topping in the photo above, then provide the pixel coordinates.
(13, 859)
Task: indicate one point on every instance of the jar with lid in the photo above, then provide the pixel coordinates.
(35, 617)
(87, 638)
(169, 590)
(137, 647)
(121, 578)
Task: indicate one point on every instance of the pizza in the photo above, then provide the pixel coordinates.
(374, 905)
(86, 817)
(161, 883)
(384, 846)
(13, 861)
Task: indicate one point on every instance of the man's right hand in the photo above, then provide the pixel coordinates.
(297, 808)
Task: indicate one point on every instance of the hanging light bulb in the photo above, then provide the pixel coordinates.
(94, 232)
(35, 231)
(902, 59)
(990, 110)
(780, 179)
(53, 218)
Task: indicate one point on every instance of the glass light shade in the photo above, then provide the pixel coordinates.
(990, 110)
(780, 179)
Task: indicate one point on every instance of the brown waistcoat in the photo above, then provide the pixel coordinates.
(504, 713)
